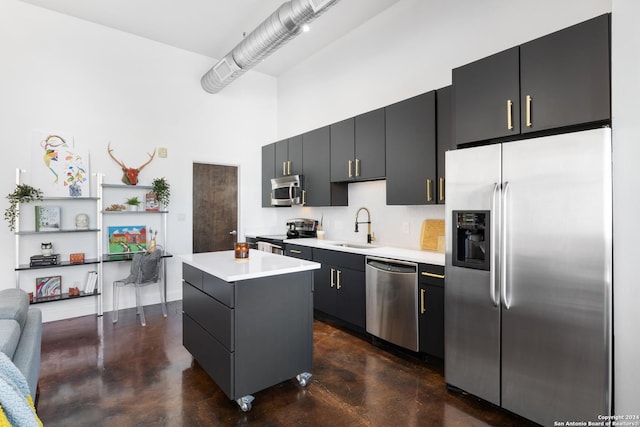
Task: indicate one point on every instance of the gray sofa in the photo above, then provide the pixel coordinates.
(21, 334)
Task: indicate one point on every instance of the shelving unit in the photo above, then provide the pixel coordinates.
(28, 234)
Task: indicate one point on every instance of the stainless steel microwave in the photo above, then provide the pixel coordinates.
(287, 191)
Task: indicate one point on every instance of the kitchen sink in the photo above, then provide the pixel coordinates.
(354, 245)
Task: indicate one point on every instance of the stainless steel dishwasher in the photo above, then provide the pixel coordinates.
(392, 301)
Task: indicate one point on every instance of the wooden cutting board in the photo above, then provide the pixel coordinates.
(432, 235)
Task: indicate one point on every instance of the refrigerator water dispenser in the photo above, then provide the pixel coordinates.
(471, 242)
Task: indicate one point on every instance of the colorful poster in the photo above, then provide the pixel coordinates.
(48, 286)
(127, 239)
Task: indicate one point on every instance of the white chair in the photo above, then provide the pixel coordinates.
(146, 269)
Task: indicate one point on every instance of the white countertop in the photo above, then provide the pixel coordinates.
(427, 257)
(223, 264)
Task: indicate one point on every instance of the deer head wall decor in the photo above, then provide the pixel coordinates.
(130, 175)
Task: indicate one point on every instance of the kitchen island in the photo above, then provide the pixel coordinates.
(249, 322)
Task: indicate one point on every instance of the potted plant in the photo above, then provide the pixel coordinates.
(23, 193)
(132, 203)
(160, 187)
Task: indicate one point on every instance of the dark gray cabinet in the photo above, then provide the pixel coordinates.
(237, 338)
(357, 148)
(559, 80)
(298, 251)
(431, 309)
(268, 172)
(318, 188)
(339, 287)
(444, 136)
(288, 156)
(411, 151)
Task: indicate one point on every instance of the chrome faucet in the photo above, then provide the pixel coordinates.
(368, 222)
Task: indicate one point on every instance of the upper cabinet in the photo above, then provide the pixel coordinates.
(358, 147)
(318, 188)
(444, 132)
(268, 172)
(411, 151)
(288, 157)
(559, 80)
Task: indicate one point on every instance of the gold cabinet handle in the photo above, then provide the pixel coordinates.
(422, 308)
(284, 168)
(295, 251)
(434, 275)
(333, 270)
(357, 167)
(509, 118)
(304, 197)
(350, 163)
(528, 105)
(429, 198)
(339, 274)
(441, 189)
(288, 167)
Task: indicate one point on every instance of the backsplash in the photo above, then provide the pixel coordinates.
(398, 226)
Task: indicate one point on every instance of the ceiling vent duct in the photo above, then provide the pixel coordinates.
(283, 25)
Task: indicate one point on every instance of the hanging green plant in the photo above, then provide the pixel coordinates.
(23, 193)
(160, 187)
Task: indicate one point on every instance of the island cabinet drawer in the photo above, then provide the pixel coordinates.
(192, 275)
(339, 259)
(214, 317)
(216, 360)
(218, 289)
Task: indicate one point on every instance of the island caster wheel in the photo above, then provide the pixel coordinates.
(303, 378)
(245, 403)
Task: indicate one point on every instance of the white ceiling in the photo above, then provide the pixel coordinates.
(214, 27)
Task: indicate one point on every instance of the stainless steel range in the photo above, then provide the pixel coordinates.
(297, 228)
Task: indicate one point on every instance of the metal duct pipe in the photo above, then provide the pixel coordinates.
(280, 27)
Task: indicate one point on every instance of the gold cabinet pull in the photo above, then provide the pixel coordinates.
(434, 275)
(333, 270)
(304, 197)
(350, 163)
(529, 111)
(295, 251)
(422, 308)
(339, 274)
(509, 118)
(357, 167)
(441, 189)
(284, 168)
(429, 198)
(288, 167)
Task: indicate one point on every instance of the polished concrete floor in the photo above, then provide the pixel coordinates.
(95, 373)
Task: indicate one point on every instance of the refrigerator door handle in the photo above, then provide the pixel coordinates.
(492, 252)
(503, 250)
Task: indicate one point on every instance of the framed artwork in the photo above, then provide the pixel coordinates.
(48, 218)
(127, 239)
(48, 286)
(58, 168)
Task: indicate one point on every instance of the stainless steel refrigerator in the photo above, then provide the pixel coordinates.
(529, 275)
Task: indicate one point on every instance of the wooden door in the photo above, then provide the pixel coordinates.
(215, 207)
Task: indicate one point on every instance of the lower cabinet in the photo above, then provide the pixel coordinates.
(339, 287)
(431, 309)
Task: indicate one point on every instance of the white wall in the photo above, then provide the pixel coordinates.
(59, 73)
(626, 179)
(408, 49)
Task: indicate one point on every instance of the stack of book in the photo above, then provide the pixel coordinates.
(92, 282)
(44, 260)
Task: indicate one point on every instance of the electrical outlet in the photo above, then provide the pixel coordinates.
(162, 152)
(405, 227)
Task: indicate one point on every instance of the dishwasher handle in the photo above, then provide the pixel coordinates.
(392, 266)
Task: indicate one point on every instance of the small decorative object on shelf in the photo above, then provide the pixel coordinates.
(23, 193)
(161, 188)
(132, 203)
(48, 286)
(44, 260)
(74, 292)
(152, 242)
(82, 221)
(77, 258)
(115, 208)
(30, 297)
(90, 284)
(48, 218)
(130, 175)
(46, 248)
(151, 204)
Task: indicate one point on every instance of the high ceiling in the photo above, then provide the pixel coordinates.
(214, 27)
